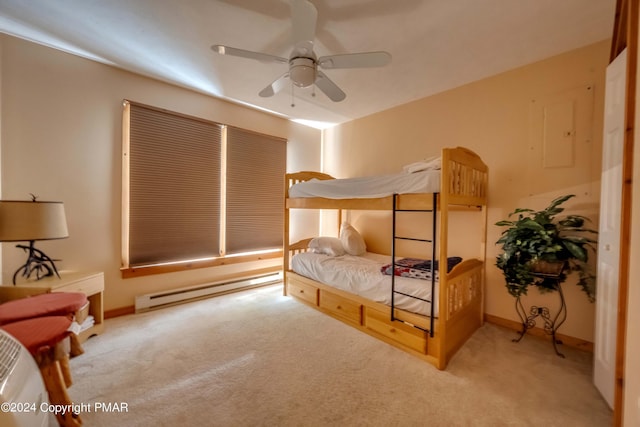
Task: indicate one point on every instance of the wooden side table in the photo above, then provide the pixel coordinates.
(91, 284)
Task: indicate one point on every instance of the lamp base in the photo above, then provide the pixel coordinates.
(37, 262)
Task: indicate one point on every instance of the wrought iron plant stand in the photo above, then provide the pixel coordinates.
(551, 325)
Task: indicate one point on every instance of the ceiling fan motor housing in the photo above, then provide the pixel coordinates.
(302, 71)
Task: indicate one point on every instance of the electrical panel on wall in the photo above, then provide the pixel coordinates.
(561, 145)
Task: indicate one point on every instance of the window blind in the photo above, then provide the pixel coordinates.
(256, 165)
(174, 187)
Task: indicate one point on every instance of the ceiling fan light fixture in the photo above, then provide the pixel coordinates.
(302, 71)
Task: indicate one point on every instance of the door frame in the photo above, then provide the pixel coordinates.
(625, 35)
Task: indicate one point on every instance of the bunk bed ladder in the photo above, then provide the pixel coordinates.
(395, 237)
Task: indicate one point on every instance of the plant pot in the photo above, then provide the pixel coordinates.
(548, 268)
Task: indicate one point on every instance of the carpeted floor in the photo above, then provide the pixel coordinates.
(256, 358)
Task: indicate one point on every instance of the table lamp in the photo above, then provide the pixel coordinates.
(28, 221)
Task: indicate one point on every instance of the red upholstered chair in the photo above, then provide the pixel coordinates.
(51, 304)
(45, 338)
(74, 305)
(41, 323)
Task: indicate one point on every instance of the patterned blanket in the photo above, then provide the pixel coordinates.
(418, 268)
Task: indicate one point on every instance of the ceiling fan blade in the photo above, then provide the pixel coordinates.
(329, 88)
(232, 51)
(274, 87)
(355, 60)
(303, 17)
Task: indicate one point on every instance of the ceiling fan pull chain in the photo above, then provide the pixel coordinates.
(292, 99)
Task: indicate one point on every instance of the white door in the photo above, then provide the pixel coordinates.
(609, 231)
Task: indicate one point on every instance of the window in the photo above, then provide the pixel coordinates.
(196, 192)
(255, 191)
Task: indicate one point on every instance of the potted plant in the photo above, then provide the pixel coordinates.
(537, 240)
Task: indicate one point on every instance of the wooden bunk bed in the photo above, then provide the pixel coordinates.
(463, 186)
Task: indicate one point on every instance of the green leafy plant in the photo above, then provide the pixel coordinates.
(537, 239)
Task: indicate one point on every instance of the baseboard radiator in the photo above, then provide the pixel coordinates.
(181, 295)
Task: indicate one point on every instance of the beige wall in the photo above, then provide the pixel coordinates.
(61, 140)
(501, 119)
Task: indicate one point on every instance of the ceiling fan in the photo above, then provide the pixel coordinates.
(303, 63)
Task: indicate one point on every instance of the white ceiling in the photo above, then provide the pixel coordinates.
(436, 44)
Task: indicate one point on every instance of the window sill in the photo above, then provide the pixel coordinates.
(130, 272)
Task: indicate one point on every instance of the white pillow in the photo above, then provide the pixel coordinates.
(433, 163)
(331, 246)
(352, 241)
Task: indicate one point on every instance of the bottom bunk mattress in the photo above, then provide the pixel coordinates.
(362, 275)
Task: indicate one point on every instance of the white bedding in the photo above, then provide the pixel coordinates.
(427, 181)
(361, 275)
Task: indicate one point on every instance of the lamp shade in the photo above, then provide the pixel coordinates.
(32, 220)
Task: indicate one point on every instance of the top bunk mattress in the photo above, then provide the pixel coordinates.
(425, 181)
